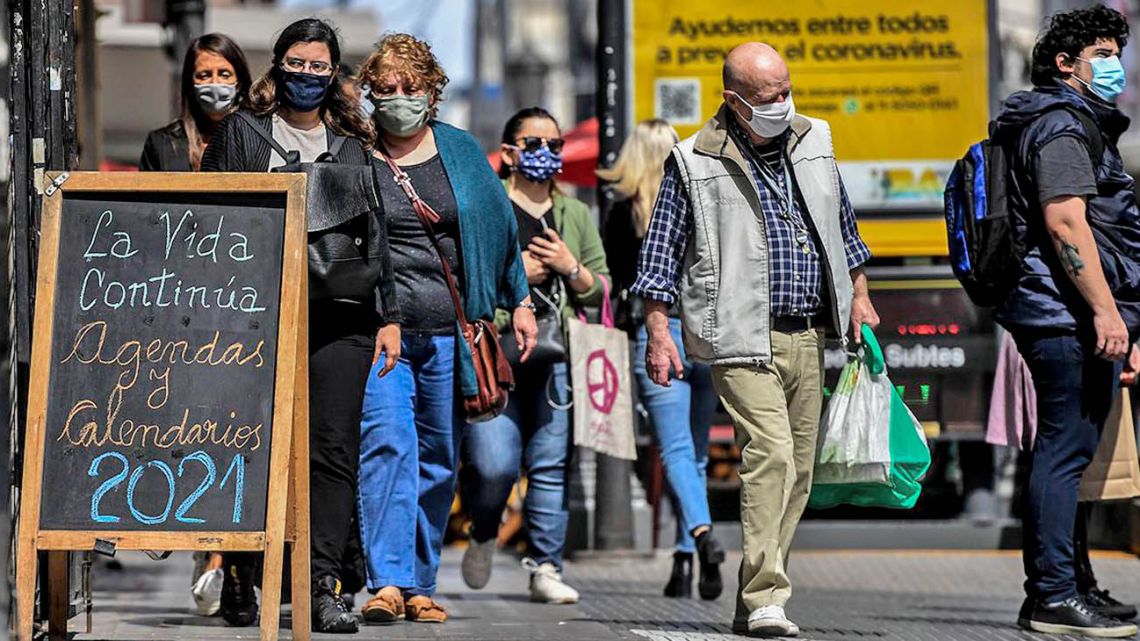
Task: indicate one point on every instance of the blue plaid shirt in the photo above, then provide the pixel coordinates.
(794, 258)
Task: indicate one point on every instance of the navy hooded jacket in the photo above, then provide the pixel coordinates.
(1045, 297)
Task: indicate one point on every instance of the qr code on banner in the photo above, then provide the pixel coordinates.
(679, 100)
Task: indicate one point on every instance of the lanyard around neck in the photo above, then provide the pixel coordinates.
(786, 194)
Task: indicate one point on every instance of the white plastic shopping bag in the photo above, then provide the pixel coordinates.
(871, 450)
(854, 438)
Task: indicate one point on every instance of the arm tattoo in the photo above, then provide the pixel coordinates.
(1071, 258)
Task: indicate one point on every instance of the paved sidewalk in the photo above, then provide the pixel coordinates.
(871, 596)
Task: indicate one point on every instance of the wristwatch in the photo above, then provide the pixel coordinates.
(531, 306)
(575, 273)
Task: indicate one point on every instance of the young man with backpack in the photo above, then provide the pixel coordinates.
(1073, 306)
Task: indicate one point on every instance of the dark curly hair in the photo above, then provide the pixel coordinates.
(1072, 31)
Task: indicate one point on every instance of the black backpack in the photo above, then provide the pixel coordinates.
(984, 254)
(348, 237)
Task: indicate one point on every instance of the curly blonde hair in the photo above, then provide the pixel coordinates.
(413, 62)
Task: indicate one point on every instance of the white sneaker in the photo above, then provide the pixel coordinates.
(770, 621)
(477, 561)
(207, 592)
(546, 584)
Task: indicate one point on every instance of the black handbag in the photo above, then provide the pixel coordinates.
(550, 346)
(348, 239)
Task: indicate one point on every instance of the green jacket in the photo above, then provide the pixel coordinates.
(573, 224)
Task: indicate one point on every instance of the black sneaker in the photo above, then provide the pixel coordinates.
(680, 584)
(329, 613)
(239, 601)
(1073, 616)
(711, 555)
(1100, 601)
(1026, 611)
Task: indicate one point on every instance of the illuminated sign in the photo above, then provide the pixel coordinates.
(929, 329)
(908, 357)
(940, 352)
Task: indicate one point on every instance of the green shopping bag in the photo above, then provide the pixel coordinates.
(871, 450)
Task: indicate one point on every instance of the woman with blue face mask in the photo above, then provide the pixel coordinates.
(413, 418)
(215, 83)
(566, 269)
(302, 103)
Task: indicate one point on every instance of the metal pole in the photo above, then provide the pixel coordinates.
(87, 87)
(490, 74)
(613, 524)
(582, 67)
(477, 77)
(502, 108)
(185, 21)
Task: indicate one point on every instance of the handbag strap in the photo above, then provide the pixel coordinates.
(268, 137)
(337, 143)
(290, 157)
(607, 304)
(427, 217)
(607, 311)
(874, 353)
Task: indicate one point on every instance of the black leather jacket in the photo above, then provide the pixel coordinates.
(166, 149)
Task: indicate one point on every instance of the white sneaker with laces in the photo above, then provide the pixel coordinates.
(770, 621)
(207, 592)
(546, 584)
(477, 561)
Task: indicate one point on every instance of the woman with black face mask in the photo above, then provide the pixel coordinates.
(215, 83)
(303, 105)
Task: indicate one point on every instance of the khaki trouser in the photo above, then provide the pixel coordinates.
(775, 409)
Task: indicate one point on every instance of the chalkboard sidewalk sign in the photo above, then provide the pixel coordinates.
(168, 402)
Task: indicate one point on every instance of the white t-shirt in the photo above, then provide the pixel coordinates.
(311, 143)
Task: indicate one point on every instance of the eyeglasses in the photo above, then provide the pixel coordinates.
(315, 67)
(534, 143)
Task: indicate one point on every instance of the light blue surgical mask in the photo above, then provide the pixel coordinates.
(1107, 77)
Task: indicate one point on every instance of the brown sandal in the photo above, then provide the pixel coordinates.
(386, 608)
(422, 609)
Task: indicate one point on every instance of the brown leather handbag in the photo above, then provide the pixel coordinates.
(492, 371)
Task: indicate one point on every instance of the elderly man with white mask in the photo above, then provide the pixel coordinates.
(753, 237)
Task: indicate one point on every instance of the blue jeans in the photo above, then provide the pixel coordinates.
(681, 416)
(534, 432)
(409, 443)
(1075, 390)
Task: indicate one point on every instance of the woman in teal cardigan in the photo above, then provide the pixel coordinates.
(412, 420)
(566, 269)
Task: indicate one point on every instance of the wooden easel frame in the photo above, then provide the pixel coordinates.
(287, 504)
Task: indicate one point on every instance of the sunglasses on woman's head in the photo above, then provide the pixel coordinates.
(534, 143)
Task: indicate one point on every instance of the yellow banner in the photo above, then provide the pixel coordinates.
(904, 84)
